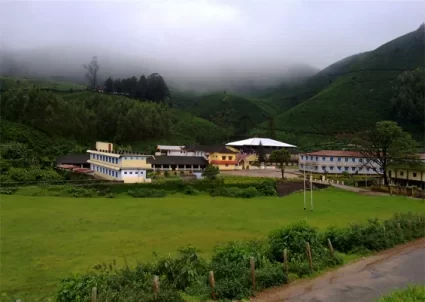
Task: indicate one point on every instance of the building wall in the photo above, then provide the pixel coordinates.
(335, 164)
(133, 175)
(104, 146)
(215, 156)
(135, 161)
(408, 175)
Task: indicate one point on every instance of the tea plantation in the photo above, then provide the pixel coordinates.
(48, 238)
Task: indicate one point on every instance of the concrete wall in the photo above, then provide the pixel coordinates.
(335, 165)
(104, 146)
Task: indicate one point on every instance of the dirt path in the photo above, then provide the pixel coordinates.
(362, 281)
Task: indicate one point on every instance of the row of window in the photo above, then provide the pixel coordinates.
(106, 171)
(346, 159)
(105, 158)
(113, 160)
(401, 173)
(341, 168)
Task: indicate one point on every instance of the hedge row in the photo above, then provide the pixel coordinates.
(230, 263)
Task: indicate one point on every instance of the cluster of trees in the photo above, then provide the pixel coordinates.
(153, 88)
(87, 117)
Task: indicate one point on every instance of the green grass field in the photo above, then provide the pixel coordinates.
(44, 239)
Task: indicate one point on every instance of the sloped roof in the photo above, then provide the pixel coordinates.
(210, 148)
(255, 141)
(177, 160)
(167, 147)
(73, 159)
(340, 153)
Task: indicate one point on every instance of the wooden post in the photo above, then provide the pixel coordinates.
(252, 263)
(155, 285)
(285, 260)
(308, 250)
(93, 294)
(331, 249)
(212, 284)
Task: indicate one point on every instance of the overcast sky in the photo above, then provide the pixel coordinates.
(198, 31)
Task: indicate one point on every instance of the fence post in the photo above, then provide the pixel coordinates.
(331, 249)
(212, 283)
(308, 250)
(285, 260)
(252, 264)
(94, 294)
(155, 285)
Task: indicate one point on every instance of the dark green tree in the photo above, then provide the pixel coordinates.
(156, 88)
(210, 172)
(109, 85)
(385, 145)
(261, 153)
(281, 158)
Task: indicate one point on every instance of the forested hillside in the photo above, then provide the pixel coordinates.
(353, 93)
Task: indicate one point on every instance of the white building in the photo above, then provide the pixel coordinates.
(129, 167)
(337, 162)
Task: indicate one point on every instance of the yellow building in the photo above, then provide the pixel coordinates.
(129, 167)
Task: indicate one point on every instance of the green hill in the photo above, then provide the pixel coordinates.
(351, 94)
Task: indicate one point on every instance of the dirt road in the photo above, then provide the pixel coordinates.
(362, 281)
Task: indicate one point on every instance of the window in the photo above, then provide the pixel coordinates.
(323, 168)
(414, 174)
(368, 169)
(332, 159)
(227, 165)
(230, 157)
(301, 165)
(339, 168)
(317, 158)
(131, 172)
(131, 157)
(346, 159)
(339, 158)
(311, 157)
(331, 168)
(353, 160)
(361, 160)
(353, 169)
(323, 158)
(223, 157)
(401, 173)
(346, 168)
(302, 156)
(125, 172)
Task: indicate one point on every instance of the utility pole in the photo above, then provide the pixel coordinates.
(304, 189)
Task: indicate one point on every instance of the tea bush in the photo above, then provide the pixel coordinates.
(189, 190)
(235, 192)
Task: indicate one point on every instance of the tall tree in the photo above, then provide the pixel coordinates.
(261, 153)
(157, 89)
(408, 101)
(281, 158)
(92, 68)
(109, 85)
(384, 145)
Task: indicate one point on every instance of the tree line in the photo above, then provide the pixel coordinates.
(153, 88)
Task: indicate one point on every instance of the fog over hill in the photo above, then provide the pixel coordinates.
(195, 44)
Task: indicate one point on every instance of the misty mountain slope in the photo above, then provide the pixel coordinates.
(208, 106)
(403, 53)
(359, 90)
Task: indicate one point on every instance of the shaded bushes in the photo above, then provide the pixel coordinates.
(235, 192)
(230, 263)
(145, 192)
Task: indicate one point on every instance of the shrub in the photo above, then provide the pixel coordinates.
(210, 172)
(166, 174)
(266, 188)
(270, 274)
(146, 193)
(76, 192)
(235, 192)
(189, 190)
(7, 191)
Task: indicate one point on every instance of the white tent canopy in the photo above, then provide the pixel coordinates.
(266, 142)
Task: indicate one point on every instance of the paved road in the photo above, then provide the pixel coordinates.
(362, 281)
(272, 173)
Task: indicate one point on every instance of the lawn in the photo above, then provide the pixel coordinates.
(44, 239)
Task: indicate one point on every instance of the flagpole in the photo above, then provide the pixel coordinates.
(304, 189)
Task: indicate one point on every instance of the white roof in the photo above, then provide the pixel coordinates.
(267, 142)
(173, 148)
